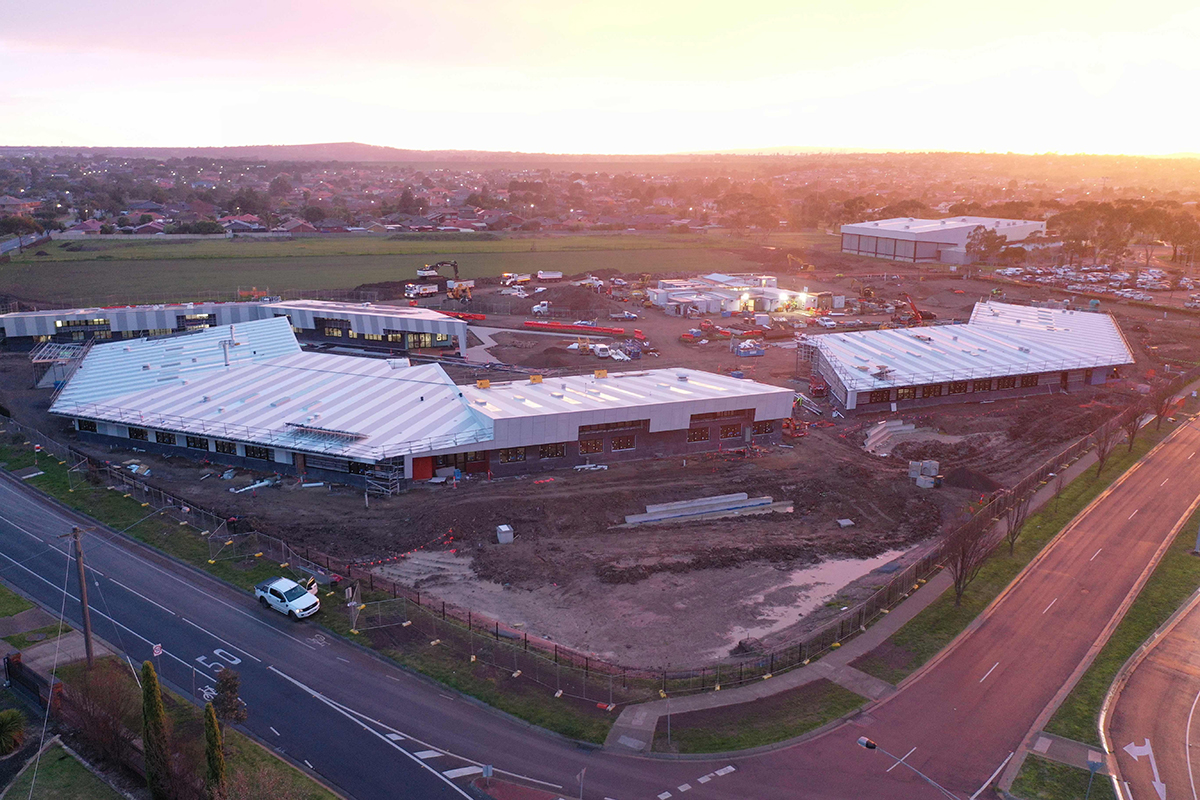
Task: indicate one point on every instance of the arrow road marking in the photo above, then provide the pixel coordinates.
(1135, 752)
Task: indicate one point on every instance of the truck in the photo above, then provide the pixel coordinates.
(415, 290)
(622, 315)
(541, 309)
(543, 275)
(287, 597)
(513, 279)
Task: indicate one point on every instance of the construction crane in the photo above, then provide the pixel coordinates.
(916, 317)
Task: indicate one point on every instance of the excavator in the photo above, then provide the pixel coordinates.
(434, 270)
(460, 292)
(865, 291)
(801, 266)
(914, 317)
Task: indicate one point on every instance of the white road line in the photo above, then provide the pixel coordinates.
(339, 658)
(723, 771)
(684, 787)
(901, 761)
(1052, 602)
(462, 772)
(371, 730)
(425, 755)
(347, 711)
(1164, 483)
(393, 677)
(222, 641)
(1134, 514)
(664, 796)
(704, 778)
(272, 727)
(306, 761)
(989, 672)
(1189, 458)
(1093, 558)
(147, 599)
(1187, 741)
(395, 737)
(989, 780)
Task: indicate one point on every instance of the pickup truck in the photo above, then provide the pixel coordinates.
(622, 315)
(287, 597)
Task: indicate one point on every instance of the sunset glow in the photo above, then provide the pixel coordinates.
(630, 77)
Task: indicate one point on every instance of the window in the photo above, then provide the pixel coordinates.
(698, 434)
(1006, 383)
(622, 443)
(358, 468)
(261, 453)
(509, 455)
(141, 434)
(1028, 380)
(476, 456)
(228, 448)
(879, 396)
(958, 387)
(333, 332)
(614, 426)
(984, 385)
(588, 446)
(351, 334)
(418, 340)
(931, 390)
(906, 393)
(197, 442)
(716, 415)
(162, 437)
(85, 425)
(373, 337)
(761, 428)
(731, 431)
(552, 450)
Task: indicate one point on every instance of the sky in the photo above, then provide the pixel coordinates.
(618, 76)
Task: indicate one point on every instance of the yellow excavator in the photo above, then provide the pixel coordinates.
(460, 292)
(800, 266)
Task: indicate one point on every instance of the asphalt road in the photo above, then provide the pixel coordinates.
(375, 731)
(1155, 717)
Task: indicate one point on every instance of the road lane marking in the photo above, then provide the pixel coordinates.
(994, 774)
(901, 761)
(306, 761)
(395, 737)
(462, 772)
(684, 787)
(361, 719)
(1134, 514)
(723, 771)
(222, 641)
(704, 778)
(147, 599)
(339, 658)
(1055, 600)
(1189, 458)
(272, 727)
(664, 796)
(1093, 558)
(989, 672)
(425, 755)
(1164, 483)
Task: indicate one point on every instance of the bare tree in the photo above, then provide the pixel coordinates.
(1014, 518)
(105, 707)
(965, 551)
(1131, 423)
(1164, 404)
(1104, 438)
(1060, 480)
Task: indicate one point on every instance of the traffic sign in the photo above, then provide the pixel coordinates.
(157, 650)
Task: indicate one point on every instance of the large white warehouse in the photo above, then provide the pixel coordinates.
(928, 240)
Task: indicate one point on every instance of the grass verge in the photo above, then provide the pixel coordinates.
(27, 639)
(12, 603)
(1172, 582)
(1042, 779)
(926, 634)
(766, 721)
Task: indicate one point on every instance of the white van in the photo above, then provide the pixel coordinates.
(601, 351)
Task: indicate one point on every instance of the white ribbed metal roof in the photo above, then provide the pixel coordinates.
(999, 340)
(272, 394)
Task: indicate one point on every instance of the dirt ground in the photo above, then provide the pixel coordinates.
(685, 592)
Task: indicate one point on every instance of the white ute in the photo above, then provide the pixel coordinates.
(287, 597)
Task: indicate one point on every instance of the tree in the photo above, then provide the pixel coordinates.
(1132, 422)
(1104, 439)
(107, 229)
(280, 187)
(145, 219)
(104, 706)
(19, 226)
(313, 213)
(228, 705)
(154, 736)
(214, 755)
(1164, 404)
(1014, 518)
(965, 551)
(984, 244)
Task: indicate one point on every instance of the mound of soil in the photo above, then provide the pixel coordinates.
(939, 451)
(963, 478)
(552, 357)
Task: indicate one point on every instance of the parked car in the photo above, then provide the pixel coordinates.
(287, 597)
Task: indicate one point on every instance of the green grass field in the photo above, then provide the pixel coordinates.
(12, 603)
(1042, 779)
(113, 270)
(61, 777)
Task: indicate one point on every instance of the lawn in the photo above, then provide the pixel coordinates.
(12, 603)
(1042, 779)
(930, 631)
(23, 641)
(125, 272)
(771, 719)
(60, 777)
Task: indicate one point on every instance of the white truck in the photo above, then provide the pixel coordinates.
(541, 309)
(287, 597)
(543, 275)
(415, 290)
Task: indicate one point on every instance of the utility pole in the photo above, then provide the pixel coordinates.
(77, 534)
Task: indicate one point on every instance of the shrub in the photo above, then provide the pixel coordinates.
(12, 730)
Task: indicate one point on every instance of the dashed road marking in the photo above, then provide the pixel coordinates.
(684, 787)
(339, 658)
(427, 754)
(1164, 483)
(462, 772)
(1134, 514)
(725, 770)
(704, 778)
(664, 796)
(306, 761)
(981, 680)
(272, 727)
(395, 737)
(1093, 558)
(1055, 600)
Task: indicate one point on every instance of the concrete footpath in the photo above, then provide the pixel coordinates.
(634, 728)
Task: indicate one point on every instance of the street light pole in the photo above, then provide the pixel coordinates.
(867, 744)
(77, 534)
